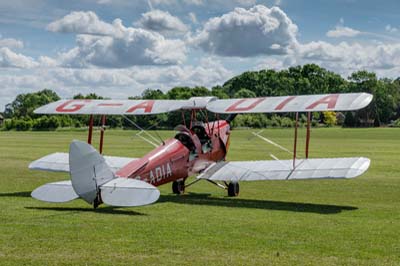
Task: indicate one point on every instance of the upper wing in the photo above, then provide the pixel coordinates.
(283, 104)
(283, 170)
(121, 107)
(302, 103)
(59, 162)
(109, 107)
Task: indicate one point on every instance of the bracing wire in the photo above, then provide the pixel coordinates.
(153, 140)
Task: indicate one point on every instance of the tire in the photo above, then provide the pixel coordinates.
(178, 187)
(233, 189)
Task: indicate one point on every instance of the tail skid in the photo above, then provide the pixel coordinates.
(94, 181)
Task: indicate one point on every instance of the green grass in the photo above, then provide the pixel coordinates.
(327, 222)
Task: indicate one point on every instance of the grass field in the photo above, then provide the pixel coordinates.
(328, 222)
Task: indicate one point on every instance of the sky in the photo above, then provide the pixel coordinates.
(118, 48)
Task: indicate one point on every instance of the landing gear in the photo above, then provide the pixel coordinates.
(178, 187)
(97, 201)
(233, 189)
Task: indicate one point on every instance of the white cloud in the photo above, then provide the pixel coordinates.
(345, 57)
(84, 23)
(391, 29)
(213, 4)
(114, 45)
(9, 58)
(104, 2)
(46, 61)
(93, 77)
(271, 63)
(162, 22)
(209, 72)
(246, 2)
(322, 51)
(163, 2)
(11, 43)
(194, 2)
(248, 32)
(117, 61)
(113, 83)
(341, 31)
(193, 17)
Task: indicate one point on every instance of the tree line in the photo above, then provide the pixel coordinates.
(307, 79)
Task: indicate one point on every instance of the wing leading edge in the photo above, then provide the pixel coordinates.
(284, 104)
(331, 168)
(281, 104)
(121, 107)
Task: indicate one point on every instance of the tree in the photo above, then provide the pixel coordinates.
(25, 104)
(385, 103)
(329, 118)
(219, 92)
(244, 93)
(92, 96)
(179, 93)
(306, 79)
(349, 120)
(153, 94)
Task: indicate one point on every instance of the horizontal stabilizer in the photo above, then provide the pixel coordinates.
(59, 162)
(283, 169)
(126, 192)
(61, 191)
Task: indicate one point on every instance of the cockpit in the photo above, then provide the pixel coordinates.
(187, 141)
(199, 129)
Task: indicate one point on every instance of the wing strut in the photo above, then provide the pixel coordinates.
(102, 129)
(90, 133)
(295, 140)
(308, 133)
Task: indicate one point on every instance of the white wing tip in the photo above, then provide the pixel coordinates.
(359, 167)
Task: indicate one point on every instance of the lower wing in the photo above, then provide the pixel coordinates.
(59, 162)
(331, 168)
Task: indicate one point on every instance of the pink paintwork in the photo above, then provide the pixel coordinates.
(174, 161)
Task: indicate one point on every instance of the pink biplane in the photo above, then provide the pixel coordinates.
(198, 148)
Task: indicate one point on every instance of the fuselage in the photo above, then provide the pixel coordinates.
(191, 151)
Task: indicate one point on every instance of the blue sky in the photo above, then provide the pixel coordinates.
(119, 48)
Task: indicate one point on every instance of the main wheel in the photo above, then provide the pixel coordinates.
(233, 189)
(178, 187)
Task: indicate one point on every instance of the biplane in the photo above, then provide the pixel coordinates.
(198, 148)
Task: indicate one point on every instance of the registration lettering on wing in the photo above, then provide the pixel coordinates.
(243, 105)
(95, 106)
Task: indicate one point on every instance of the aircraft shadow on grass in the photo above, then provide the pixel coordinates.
(23, 194)
(102, 210)
(205, 199)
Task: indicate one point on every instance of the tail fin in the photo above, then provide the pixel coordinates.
(93, 180)
(88, 170)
